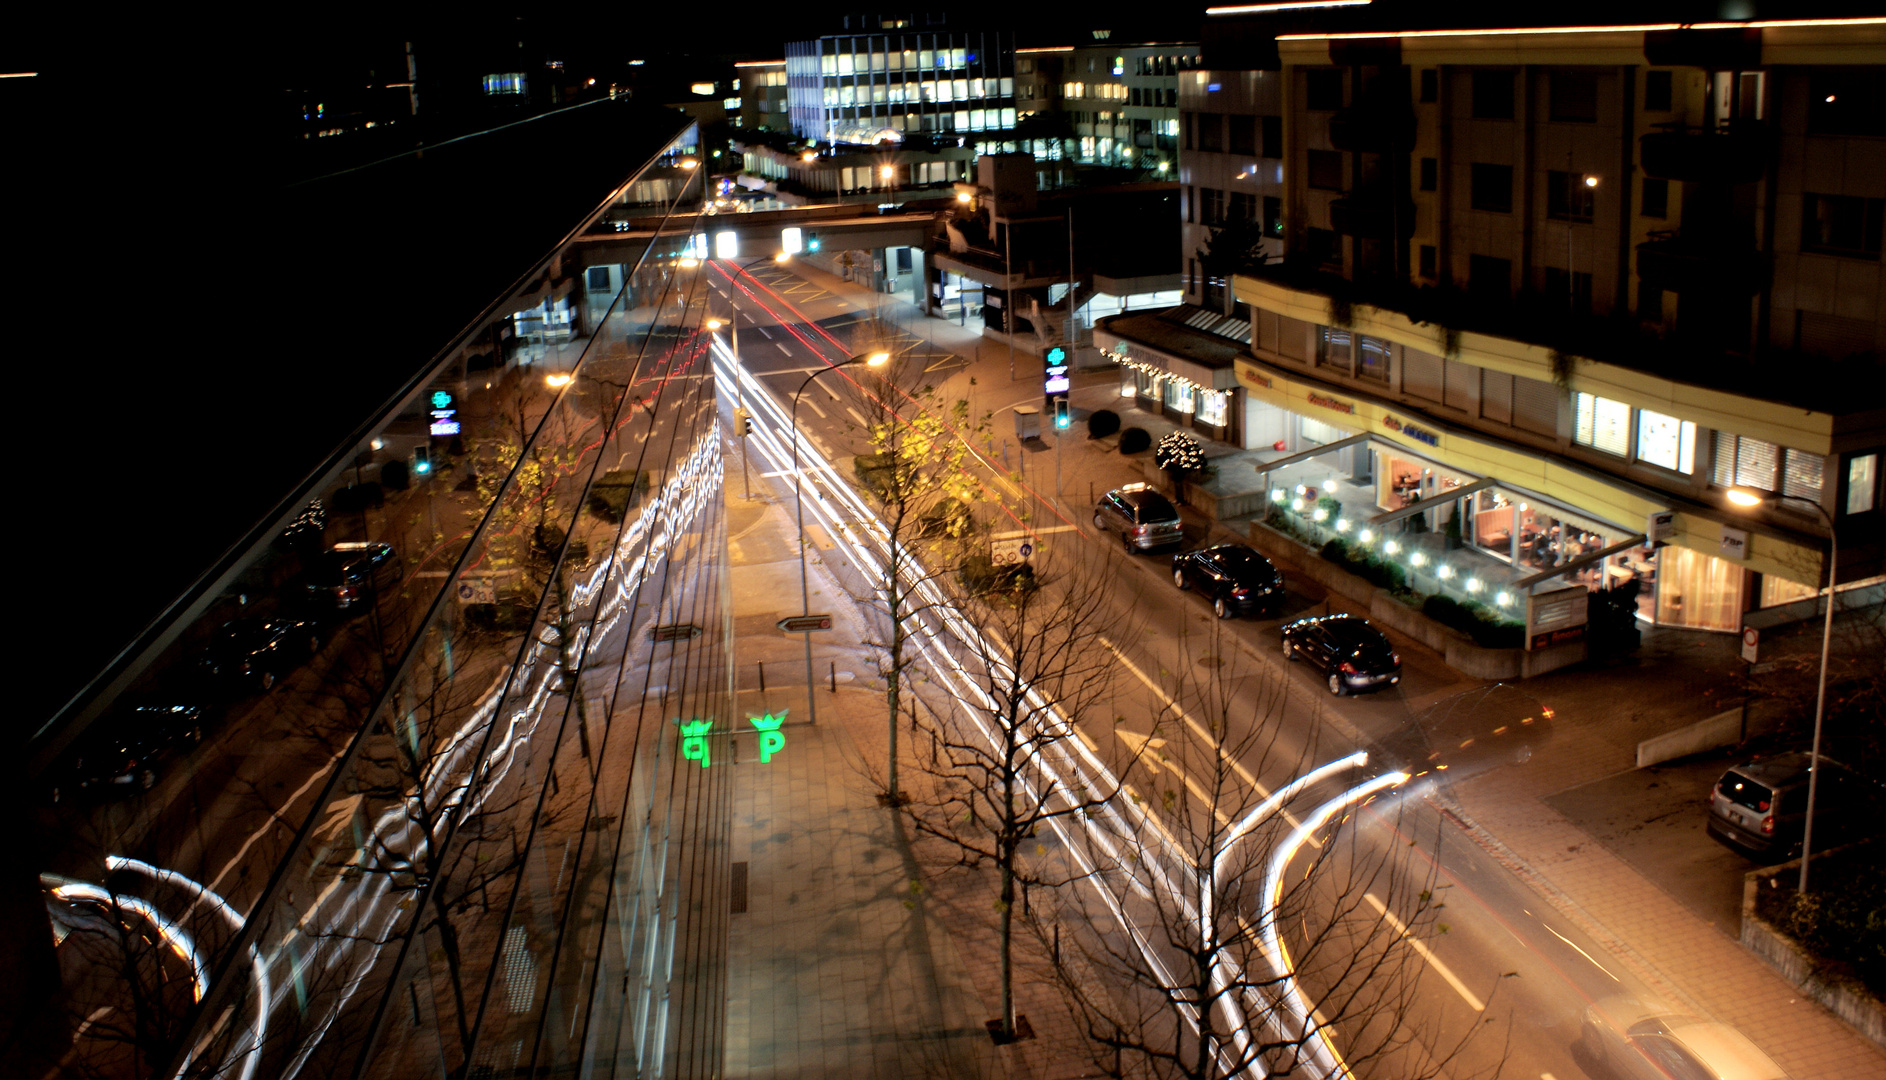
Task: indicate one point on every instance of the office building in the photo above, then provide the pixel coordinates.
(882, 77)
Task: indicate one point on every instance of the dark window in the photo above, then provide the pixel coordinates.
(1324, 88)
(1574, 96)
(1273, 128)
(1211, 132)
(1841, 224)
(1191, 205)
(1372, 358)
(1649, 303)
(1657, 91)
(1190, 124)
(1326, 248)
(1489, 278)
(1430, 174)
(1847, 101)
(1325, 170)
(1742, 791)
(1493, 95)
(1430, 84)
(1213, 212)
(1243, 135)
(1430, 262)
(1493, 188)
(599, 277)
(1273, 216)
(1656, 201)
(1334, 348)
(1243, 206)
(1568, 197)
(1568, 292)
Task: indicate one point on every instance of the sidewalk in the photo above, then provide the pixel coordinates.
(1604, 709)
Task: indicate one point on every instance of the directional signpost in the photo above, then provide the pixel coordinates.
(674, 632)
(801, 624)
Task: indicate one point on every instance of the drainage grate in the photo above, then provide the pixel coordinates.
(739, 888)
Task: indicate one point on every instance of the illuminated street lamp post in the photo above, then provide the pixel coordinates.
(1750, 500)
(877, 359)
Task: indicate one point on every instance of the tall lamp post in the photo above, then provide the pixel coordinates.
(876, 359)
(1750, 500)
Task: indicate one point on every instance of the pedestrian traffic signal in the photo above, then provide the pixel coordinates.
(811, 241)
(742, 422)
(1061, 418)
(422, 460)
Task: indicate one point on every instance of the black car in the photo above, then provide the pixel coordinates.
(1144, 518)
(121, 753)
(1235, 578)
(258, 652)
(346, 574)
(1352, 653)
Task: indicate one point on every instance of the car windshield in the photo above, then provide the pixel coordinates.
(1236, 558)
(1741, 790)
(237, 635)
(1153, 508)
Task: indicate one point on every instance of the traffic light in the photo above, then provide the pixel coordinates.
(742, 422)
(811, 241)
(1061, 418)
(422, 460)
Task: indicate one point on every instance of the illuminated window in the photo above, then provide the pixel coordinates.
(1665, 441)
(1601, 423)
(509, 83)
(1862, 483)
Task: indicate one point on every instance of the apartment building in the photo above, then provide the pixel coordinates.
(1574, 283)
(1119, 102)
(881, 77)
(761, 85)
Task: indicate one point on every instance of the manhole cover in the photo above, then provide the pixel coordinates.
(1210, 661)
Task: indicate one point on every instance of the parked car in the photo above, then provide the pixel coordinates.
(1354, 655)
(1759, 808)
(1626, 1038)
(1144, 518)
(346, 574)
(1236, 579)
(122, 752)
(258, 652)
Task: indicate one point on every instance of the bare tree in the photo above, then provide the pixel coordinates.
(1228, 966)
(1003, 754)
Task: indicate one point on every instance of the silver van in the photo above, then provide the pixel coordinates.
(1760, 808)
(1144, 518)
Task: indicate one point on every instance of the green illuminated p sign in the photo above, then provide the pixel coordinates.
(772, 740)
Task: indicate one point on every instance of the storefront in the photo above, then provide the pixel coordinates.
(1199, 390)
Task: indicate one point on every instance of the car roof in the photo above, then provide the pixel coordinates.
(1727, 1052)
(1783, 769)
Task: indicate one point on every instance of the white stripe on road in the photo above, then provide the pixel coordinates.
(780, 347)
(815, 408)
(1426, 954)
(858, 416)
(1037, 532)
(761, 329)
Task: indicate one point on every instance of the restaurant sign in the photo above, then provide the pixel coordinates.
(1332, 403)
(1418, 434)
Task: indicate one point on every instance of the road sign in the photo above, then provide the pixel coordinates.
(674, 632)
(477, 591)
(1055, 371)
(1751, 643)
(1011, 552)
(802, 624)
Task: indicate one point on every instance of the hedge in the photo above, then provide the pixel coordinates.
(1843, 921)
(1102, 423)
(1135, 440)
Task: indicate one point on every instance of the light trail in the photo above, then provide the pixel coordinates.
(174, 936)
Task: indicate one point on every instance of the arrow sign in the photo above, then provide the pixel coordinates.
(802, 624)
(674, 632)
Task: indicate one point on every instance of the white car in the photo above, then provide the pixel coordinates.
(1629, 1039)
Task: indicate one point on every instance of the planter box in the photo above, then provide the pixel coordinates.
(1849, 1001)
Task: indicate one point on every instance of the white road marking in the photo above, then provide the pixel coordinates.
(1036, 532)
(781, 348)
(858, 416)
(815, 408)
(761, 329)
(1426, 954)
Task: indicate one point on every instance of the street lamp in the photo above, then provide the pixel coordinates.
(1748, 500)
(876, 359)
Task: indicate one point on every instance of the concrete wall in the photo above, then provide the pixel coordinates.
(1849, 1001)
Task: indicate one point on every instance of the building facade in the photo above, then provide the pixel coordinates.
(884, 77)
(1119, 102)
(1574, 302)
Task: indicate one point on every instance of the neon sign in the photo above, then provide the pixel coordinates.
(694, 746)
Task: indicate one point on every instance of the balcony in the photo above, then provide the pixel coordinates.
(1370, 217)
(1735, 154)
(1373, 129)
(1670, 261)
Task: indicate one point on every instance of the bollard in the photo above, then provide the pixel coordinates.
(762, 678)
(834, 676)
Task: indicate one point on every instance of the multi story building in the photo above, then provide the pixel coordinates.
(884, 76)
(762, 88)
(1574, 283)
(1119, 102)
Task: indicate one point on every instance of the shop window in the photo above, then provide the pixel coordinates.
(1178, 395)
(1656, 200)
(1665, 441)
(1862, 483)
(1324, 89)
(1333, 348)
(1568, 197)
(1744, 462)
(1372, 359)
(1801, 475)
(1211, 408)
(1841, 225)
(1325, 171)
(1601, 423)
(1574, 96)
(1491, 187)
(1493, 95)
(1777, 590)
(1657, 91)
(1698, 590)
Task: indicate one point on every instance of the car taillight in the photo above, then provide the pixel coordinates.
(1140, 530)
(1762, 806)
(1768, 825)
(343, 592)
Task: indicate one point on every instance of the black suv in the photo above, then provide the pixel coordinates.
(1759, 808)
(121, 752)
(1142, 517)
(1235, 578)
(346, 574)
(1352, 653)
(258, 652)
